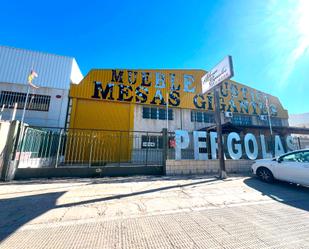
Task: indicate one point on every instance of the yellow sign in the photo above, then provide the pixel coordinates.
(180, 88)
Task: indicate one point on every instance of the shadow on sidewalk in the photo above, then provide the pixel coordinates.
(289, 194)
(114, 197)
(15, 212)
(111, 180)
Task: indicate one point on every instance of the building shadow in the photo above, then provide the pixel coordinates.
(148, 191)
(290, 194)
(17, 211)
(107, 179)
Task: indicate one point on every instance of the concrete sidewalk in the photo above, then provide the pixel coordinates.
(153, 212)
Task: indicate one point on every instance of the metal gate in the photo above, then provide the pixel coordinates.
(57, 147)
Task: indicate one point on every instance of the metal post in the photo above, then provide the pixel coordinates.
(25, 105)
(2, 109)
(119, 149)
(14, 112)
(148, 141)
(222, 172)
(23, 129)
(269, 120)
(167, 110)
(91, 143)
(298, 139)
(165, 148)
(58, 150)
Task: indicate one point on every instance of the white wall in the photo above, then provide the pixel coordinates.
(182, 120)
(202, 167)
(4, 131)
(56, 115)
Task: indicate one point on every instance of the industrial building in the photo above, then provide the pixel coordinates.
(46, 105)
(133, 106)
(150, 100)
(116, 117)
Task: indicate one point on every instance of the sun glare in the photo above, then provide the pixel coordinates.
(302, 18)
(290, 22)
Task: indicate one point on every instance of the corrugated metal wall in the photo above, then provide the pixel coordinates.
(232, 93)
(87, 114)
(54, 71)
(105, 100)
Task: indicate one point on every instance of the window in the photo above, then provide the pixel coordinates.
(276, 121)
(157, 113)
(146, 112)
(154, 113)
(35, 102)
(241, 120)
(200, 117)
(305, 156)
(289, 158)
(302, 157)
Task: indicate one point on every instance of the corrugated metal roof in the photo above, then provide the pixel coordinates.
(53, 71)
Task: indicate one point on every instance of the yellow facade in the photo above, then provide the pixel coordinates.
(105, 100)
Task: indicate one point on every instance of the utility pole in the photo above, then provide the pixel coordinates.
(167, 109)
(212, 81)
(269, 118)
(25, 105)
(222, 171)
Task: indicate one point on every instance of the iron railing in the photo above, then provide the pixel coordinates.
(58, 147)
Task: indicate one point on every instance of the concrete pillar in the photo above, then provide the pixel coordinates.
(8, 163)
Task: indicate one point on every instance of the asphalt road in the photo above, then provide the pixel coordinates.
(153, 212)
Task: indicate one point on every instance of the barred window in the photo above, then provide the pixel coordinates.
(157, 113)
(35, 102)
(146, 112)
(276, 121)
(241, 120)
(202, 117)
(154, 113)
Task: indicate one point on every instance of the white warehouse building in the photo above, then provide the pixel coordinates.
(46, 105)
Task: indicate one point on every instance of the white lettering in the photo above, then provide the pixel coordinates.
(290, 143)
(182, 142)
(200, 145)
(251, 154)
(234, 155)
(160, 80)
(213, 145)
(278, 146)
(187, 82)
(264, 149)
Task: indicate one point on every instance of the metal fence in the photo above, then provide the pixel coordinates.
(58, 147)
(52, 147)
(301, 142)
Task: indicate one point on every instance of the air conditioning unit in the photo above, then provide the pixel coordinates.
(263, 117)
(228, 114)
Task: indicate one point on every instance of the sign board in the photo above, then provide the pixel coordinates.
(236, 147)
(221, 72)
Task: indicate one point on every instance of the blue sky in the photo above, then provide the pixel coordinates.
(269, 40)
